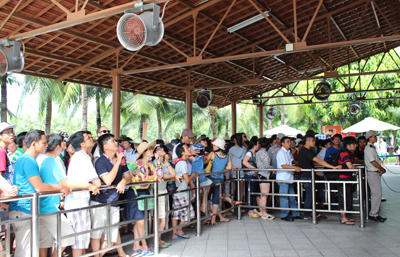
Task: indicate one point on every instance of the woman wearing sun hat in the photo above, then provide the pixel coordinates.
(145, 171)
(221, 161)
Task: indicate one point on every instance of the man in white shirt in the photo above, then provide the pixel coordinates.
(81, 171)
(284, 160)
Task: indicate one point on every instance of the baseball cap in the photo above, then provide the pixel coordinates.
(280, 135)
(187, 133)
(371, 134)
(5, 125)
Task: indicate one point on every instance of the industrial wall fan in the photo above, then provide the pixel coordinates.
(271, 113)
(11, 59)
(204, 98)
(146, 29)
(354, 109)
(322, 91)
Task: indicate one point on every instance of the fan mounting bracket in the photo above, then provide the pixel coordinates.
(139, 7)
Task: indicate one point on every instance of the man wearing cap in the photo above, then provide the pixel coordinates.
(374, 173)
(187, 137)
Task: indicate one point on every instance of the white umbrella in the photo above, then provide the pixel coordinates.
(370, 124)
(285, 129)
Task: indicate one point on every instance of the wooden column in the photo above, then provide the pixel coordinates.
(116, 104)
(189, 109)
(261, 119)
(233, 108)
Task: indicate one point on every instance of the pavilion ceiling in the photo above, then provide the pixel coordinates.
(89, 53)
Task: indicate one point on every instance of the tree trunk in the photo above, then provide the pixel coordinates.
(160, 136)
(269, 124)
(142, 120)
(226, 126)
(212, 116)
(282, 115)
(394, 139)
(49, 111)
(4, 98)
(309, 123)
(84, 107)
(98, 114)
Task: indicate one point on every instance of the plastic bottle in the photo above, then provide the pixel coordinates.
(121, 150)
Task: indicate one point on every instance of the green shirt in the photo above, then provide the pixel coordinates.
(16, 155)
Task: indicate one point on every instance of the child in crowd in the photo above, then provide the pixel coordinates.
(181, 200)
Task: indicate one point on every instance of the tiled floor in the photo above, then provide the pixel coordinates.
(257, 237)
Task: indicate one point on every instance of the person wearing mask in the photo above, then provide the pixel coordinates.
(374, 173)
(284, 160)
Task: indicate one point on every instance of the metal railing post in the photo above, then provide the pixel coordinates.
(156, 224)
(108, 225)
(59, 248)
(314, 211)
(198, 206)
(366, 192)
(35, 225)
(361, 198)
(239, 216)
(8, 240)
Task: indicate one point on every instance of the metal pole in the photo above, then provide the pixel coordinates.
(344, 196)
(108, 226)
(8, 240)
(366, 192)
(35, 225)
(314, 211)
(239, 217)
(156, 224)
(146, 218)
(361, 197)
(59, 248)
(198, 206)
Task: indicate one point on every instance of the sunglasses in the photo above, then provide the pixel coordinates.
(105, 131)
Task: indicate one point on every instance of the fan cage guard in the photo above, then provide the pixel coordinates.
(203, 100)
(322, 91)
(132, 31)
(271, 113)
(3, 63)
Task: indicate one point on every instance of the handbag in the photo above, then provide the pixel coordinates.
(141, 203)
(208, 169)
(171, 186)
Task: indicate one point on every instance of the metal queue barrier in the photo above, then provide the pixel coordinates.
(34, 217)
(360, 192)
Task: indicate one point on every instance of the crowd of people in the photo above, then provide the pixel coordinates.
(34, 162)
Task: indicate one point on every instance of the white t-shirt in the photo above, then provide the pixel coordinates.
(181, 168)
(80, 170)
(383, 147)
(130, 155)
(321, 154)
(284, 157)
(189, 162)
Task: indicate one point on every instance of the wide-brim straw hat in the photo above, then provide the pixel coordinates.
(144, 146)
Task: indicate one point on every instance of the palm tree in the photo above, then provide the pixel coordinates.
(48, 91)
(5, 79)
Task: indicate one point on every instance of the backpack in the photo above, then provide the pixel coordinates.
(333, 160)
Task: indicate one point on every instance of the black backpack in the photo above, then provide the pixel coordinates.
(333, 160)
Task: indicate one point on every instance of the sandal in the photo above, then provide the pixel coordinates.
(164, 245)
(347, 222)
(224, 220)
(253, 215)
(268, 217)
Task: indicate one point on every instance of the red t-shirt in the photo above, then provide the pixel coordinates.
(345, 157)
(3, 160)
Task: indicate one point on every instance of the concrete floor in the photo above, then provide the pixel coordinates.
(257, 237)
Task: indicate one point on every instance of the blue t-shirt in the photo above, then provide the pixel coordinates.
(25, 168)
(330, 151)
(103, 166)
(51, 172)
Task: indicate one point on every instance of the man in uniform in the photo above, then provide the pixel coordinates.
(374, 173)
